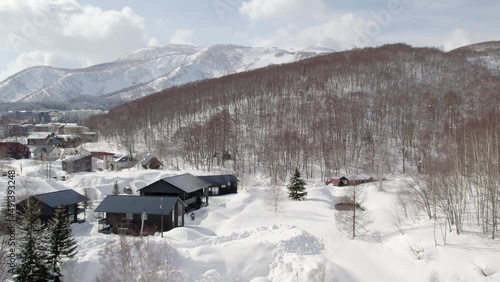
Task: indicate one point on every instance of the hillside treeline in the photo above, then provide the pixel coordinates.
(373, 110)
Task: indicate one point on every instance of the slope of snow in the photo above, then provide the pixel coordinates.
(239, 238)
(142, 72)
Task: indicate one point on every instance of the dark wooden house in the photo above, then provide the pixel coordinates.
(14, 150)
(77, 163)
(192, 190)
(221, 184)
(122, 214)
(150, 162)
(48, 202)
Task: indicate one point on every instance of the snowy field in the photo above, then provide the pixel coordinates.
(240, 238)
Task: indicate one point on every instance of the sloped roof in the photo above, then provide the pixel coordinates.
(185, 182)
(64, 197)
(144, 158)
(214, 179)
(76, 157)
(44, 149)
(39, 135)
(136, 204)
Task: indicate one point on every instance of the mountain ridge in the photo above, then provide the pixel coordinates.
(142, 72)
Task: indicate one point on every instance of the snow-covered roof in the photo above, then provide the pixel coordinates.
(44, 125)
(39, 135)
(76, 157)
(101, 147)
(67, 136)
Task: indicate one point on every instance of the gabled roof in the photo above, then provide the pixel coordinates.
(185, 182)
(144, 158)
(39, 135)
(64, 197)
(76, 157)
(214, 179)
(136, 204)
(44, 149)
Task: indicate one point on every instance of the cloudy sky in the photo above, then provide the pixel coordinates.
(69, 33)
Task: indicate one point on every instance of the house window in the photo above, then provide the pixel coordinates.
(180, 218)
(130, 216)
(214, 191)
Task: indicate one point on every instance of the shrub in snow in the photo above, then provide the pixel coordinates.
(417, 250)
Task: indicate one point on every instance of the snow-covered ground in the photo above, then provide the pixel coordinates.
(240, 238)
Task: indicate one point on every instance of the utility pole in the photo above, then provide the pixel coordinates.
(161, 212)
(143, 215)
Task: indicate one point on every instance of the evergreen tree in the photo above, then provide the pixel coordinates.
(32, 256)
(4, 216)
(62, 243)
(296, 188)
(116, 188)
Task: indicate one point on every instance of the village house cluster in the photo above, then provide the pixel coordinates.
(157, 207)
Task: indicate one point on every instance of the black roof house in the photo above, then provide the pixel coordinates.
(48, 202)
(189, 188)
(221, 184)
(123, 213)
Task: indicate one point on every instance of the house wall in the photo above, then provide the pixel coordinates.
(14, 150)
(47, 213)
(223, 189)
(80, 165)
(151, 225)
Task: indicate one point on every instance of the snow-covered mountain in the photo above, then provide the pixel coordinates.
(486, 54)
(143, 72)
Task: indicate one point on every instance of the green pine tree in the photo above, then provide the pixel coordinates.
(32, 247)
(296, 188)
(116, 188)
(62, 244)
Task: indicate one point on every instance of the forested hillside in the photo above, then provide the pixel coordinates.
(374, 110)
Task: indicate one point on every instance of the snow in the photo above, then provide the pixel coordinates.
(142, 72)
(238, 238)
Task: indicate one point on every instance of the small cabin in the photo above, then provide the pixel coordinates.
(221, 184)
(192, 190)
(124, 214)
(49, 202)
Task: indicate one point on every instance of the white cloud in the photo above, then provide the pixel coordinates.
(340, 33)
(66, 28)
(261, 9)
(182, 36)
(41, 58)
(458, 38)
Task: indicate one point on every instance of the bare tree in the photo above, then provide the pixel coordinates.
(139, 260)
(355, 219)
(396, 216)
(275, 198)
(322, 274)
